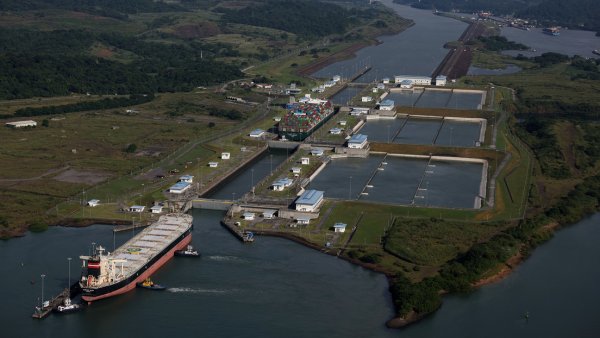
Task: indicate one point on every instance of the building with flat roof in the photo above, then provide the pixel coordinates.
(248, 216)
(305, 160)
(21, 124)
(186, 179)
(213, 164)
(281, 184)
(156, 209)
(93, 203)
(357, 141)
(304, 220)
(269, 214)
(316, 152)
(406, 84)
(387, 105)
(441, 80)
(417, 80)
(179, 187)
(339, 227)
(256, 133)
(335, 131)
(310, 200)
(137, 208)
(225, 156)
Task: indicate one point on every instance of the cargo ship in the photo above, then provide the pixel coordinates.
(109, 274)
(554, 31)
(303, 118)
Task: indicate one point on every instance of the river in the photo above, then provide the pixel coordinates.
(416, 51)
(570, 42)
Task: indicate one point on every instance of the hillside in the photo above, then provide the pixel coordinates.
(581, 14)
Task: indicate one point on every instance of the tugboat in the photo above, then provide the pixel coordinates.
(150, 285)
(248, 236)
(188, 252)
(554, 31)
(68, 306)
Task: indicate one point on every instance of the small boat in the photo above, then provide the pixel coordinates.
(248, 236)
(596, 51)
(150, 285)
(188, 252)
(68, 306)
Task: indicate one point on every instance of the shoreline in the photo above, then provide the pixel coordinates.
(346, 53)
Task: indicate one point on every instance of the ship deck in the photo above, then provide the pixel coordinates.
(151, 241)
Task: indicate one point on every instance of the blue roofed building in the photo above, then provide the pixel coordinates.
(179, 187)
(357, 141)
(387, 105)
(310, 200)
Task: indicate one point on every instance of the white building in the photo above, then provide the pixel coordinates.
(256, 133)
(269, 214)
(213, 164)
(343, 122)
(387, 105)
(187, 179)
(417, 80)
(304, 160)
(296, 170)
(357, 111)
(339, 227)
(225, 156)
(281, 184)
(248, 216)
(337, 78)
(335, 131)
(137, 208)
(441, 80)
(357, 141)
(304, 220)
(93, 203)
(366, 98)
(310, 200)
(406, 84)
(316, 152)
(157, 209)
(179, 187)
(385, 80)
(380, 86)
(21, 124)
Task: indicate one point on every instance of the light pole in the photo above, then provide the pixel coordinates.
(69, 284)
(43, 276)
(350, 189)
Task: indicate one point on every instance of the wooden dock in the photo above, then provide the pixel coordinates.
(41, 313)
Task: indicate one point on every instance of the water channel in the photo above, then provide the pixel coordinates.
(272, 288)
(570, 42)
(276, 288)
(416, 51)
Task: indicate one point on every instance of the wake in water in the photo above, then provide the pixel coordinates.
(225, 258)
(198, 290)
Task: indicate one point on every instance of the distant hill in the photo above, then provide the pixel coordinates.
(110, 8)
(582, 14)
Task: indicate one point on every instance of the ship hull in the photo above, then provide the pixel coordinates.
(128, 284)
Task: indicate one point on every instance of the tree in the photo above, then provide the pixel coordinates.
(131, 148)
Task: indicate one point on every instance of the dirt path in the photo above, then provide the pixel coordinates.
(47, 173)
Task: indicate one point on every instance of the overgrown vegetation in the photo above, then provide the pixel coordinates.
(498, 43)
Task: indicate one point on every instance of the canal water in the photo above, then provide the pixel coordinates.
(437, 99)
(570, 42)
(345, 95)
(271, 288)
(401, 180)
(557, 286)
(423, 131)
(416, 51)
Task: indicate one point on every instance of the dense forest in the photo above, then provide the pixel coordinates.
(55, 63)
(581, 14)
(307, 18)
(110, 8)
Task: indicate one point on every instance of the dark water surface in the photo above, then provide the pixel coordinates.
(272, 288)
(416, 51)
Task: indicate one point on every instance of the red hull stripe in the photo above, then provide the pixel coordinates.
(152, 269)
